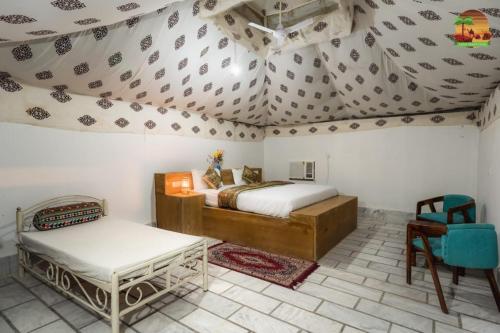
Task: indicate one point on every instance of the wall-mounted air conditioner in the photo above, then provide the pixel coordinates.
(302, 170)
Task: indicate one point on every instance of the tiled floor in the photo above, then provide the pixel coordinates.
(360, 286)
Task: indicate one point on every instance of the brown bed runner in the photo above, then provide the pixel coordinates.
(227, 198)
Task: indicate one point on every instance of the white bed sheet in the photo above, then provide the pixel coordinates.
(100, 248)
(275, 201)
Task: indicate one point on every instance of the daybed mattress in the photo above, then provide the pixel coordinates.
(98, 249)
(275, 201)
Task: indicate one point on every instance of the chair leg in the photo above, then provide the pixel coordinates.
(456, 273)
(409, 256)
(435, 277)
(408, 267)
(493, 286)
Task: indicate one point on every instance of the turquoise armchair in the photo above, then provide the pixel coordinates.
(457, 208)
(471, 246)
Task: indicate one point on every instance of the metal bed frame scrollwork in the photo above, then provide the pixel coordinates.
(134, 286)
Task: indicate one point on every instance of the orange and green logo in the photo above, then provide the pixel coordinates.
(472, 29)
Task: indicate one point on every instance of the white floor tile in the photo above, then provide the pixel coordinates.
(13, 294)
(470, 309)
(443, 328)
(347, 260)
(28, 280)
(30, 315)
(292, 297)
(215, 285)
(388, 269)
(159, 323)
(260, 323)
(246, 281)
(55, 327)
(422, 309)
(74, 314)
(329, 294)
(479, 326)
(353, 318)
(396, 289)
(215, 270)
(205, 322)
(348, 329)
(178, 309)
(251, 299)
(47, 294)
(366, 272)
(103, 326)
(375, 258)
(389, 249)
(214, 303)
(306, 320)
(394, 315)
(137, 315)
(357, 248)
(4, 327)
(316, 278)
(391, 255)
(400, 329)
(353, 288)
(5, 281)
(341, 274)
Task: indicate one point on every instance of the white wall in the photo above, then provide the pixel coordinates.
(489, 176)
(39, 163)
(387, 169)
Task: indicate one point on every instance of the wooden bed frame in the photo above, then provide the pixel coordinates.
(308, 233)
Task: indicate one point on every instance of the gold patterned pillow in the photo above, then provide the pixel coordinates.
(212, 178)
(249, 175)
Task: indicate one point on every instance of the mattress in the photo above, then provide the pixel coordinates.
(98, 249)
(276, 201)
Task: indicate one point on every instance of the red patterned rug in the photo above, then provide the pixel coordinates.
(285, 271)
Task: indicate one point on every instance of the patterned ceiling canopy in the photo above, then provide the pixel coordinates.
(399, 59)
(22, 20)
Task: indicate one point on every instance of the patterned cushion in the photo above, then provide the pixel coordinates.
(65, 216)
(249, 175)
(212, 178)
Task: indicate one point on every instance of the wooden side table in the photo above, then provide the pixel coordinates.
(180, 212)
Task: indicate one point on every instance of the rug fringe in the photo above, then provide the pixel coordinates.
(300, 279)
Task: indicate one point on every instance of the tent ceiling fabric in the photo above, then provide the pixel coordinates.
(398, 60)
(22, 20)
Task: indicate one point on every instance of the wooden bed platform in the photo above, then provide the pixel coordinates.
(308, 233)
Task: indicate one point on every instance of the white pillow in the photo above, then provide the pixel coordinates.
(237, 176)
(198, 183)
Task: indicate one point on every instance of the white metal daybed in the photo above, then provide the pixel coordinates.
(111, 266)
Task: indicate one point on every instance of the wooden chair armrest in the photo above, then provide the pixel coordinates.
(430, 229)
(461, 209)
(429, 202)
